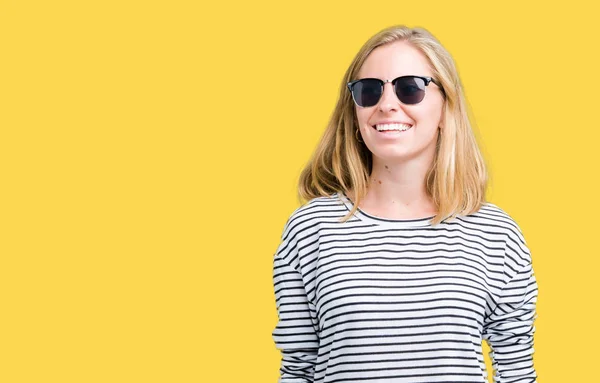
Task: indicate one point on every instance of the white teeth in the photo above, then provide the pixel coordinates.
(400, 127)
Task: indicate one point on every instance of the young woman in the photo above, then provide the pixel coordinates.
(397, 268)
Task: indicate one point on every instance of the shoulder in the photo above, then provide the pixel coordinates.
(494, 221)
(300, 235)
(314, 212)
(494, 217)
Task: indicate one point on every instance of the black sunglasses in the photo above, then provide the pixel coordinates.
(410, 90)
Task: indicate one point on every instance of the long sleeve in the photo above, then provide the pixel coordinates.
(295, 334)
(509, 329)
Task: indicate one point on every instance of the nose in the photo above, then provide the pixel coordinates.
(389, 101)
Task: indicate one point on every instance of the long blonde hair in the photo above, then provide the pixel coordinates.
(457, 179)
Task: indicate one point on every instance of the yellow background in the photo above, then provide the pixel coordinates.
(149, 154)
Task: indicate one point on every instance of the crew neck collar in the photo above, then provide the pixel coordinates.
(386, 222)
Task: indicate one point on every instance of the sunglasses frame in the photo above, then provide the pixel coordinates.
(426, 79)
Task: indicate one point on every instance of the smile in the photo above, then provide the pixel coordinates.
(392, 128)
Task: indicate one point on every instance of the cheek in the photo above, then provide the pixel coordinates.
(362, 116)
(431, 115)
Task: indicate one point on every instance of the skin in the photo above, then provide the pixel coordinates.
(400, 163)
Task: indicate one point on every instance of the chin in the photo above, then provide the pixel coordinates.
(399, 154)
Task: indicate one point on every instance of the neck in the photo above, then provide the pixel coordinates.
(397, 190)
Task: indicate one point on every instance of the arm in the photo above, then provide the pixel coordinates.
(509, 329)
(295, 335)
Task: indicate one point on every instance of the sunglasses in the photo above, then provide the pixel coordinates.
(410, 90)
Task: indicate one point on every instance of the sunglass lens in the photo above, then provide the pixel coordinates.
(367, 92)
(410, 90)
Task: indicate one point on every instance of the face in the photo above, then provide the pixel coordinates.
(418, 142)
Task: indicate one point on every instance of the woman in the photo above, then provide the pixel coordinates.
(397, 268)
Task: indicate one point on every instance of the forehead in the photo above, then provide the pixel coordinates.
(393, 60)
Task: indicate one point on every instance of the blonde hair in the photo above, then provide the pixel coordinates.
(457, 179)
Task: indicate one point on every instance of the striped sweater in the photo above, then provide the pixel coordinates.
(378, 300)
